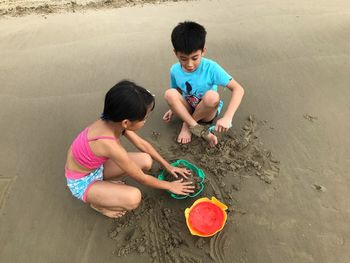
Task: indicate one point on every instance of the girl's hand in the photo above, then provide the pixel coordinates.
(223, 124)
(181, 171)
(181, 188)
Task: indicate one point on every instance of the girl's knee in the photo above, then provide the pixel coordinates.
(134, 198)
(211, 98)
(147, 162)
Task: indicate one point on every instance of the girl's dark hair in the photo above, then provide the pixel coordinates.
(188, 37)
(126, 100)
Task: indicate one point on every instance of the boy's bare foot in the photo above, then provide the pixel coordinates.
(212, 139)
(184, 135)
(109, 213)
(168, 116)
(201, 131)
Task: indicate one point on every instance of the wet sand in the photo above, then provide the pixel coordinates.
(282, 169)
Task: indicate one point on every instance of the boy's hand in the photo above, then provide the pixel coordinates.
(181, 171)
(168, 115)
(223, 124)
(181, 188)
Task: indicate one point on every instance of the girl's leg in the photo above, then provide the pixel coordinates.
(112, 171)
(112, 199)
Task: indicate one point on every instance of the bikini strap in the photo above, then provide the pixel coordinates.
(98, 137)
(101, 137)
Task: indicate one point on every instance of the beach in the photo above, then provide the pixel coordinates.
(282, 169)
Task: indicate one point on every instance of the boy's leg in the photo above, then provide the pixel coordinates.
(206, 111)
(179, 106)
(182, 109)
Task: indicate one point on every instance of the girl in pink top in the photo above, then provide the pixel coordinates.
(96, 157)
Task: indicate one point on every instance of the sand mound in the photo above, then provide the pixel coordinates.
(158, 226)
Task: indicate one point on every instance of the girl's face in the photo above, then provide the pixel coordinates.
(136, 125)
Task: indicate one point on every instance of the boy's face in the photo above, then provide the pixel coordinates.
(190, 62)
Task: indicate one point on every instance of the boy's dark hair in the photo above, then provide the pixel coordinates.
(127, 101)
(188, 37)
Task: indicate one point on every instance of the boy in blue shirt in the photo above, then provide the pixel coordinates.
(194, 80)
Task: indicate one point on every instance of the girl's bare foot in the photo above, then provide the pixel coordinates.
(184, 135)
(109, 213)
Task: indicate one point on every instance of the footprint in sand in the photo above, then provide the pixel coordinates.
(318, 187)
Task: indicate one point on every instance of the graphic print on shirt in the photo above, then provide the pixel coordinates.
(191, 98)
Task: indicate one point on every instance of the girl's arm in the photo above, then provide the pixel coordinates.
(146, 147)
(120, 156)
(225, 122)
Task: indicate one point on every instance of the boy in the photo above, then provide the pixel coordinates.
(193, 95)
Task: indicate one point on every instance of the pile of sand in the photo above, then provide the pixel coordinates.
(158, 226)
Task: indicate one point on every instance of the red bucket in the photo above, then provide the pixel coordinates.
(206, 217)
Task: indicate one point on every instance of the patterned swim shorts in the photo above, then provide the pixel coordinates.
(80, 187)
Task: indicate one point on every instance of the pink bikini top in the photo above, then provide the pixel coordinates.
(82, 152)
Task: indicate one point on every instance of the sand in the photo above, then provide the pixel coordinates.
(158, 228)
(282, 169)
(45, 7)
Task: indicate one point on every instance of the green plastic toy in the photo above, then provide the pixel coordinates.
(192, 167)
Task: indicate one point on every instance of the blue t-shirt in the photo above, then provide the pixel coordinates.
(193, 85)
(208, 76)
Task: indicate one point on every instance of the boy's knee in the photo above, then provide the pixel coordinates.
(171, 94)
(211, 98)
(134, 198)
(147, 162)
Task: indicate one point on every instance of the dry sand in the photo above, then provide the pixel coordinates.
(282, 170)
(45, 7)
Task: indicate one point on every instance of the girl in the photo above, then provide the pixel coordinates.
(96, 157)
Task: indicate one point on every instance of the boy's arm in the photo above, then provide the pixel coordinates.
(237, 92)
(146, 147)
